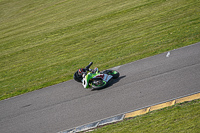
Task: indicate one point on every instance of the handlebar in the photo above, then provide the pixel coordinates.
(87, 67)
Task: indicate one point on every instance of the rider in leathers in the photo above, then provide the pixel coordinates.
(79, 73)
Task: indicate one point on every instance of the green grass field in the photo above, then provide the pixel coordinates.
(43, 42)
(182, 118)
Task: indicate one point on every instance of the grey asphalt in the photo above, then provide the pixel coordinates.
(67, 105)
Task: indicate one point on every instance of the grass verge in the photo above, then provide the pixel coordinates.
(43, 42)
(182, 117)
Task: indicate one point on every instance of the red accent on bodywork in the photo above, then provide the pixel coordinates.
(100, 76)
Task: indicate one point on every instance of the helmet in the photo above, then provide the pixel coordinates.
(81, 71)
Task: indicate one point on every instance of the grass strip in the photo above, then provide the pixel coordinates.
(43, 42)
(182, 117)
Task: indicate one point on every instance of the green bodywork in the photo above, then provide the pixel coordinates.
(90, 76)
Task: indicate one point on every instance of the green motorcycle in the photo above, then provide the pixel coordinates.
(94, 78)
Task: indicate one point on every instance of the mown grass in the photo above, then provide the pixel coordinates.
(42, 42)
(182, 117)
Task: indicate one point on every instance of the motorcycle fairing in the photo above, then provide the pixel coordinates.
(105, 77)
(85, 81)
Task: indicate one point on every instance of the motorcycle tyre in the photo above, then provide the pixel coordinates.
(94, 87)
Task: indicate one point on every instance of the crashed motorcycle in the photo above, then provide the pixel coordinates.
(95, 79)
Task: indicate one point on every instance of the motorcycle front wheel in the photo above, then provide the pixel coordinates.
(98, 84)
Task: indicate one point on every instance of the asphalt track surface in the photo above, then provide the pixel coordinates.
(68, 105)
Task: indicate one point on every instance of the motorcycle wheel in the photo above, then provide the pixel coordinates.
(114, 73)
(98, 84)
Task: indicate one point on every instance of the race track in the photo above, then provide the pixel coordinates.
(67, 105)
